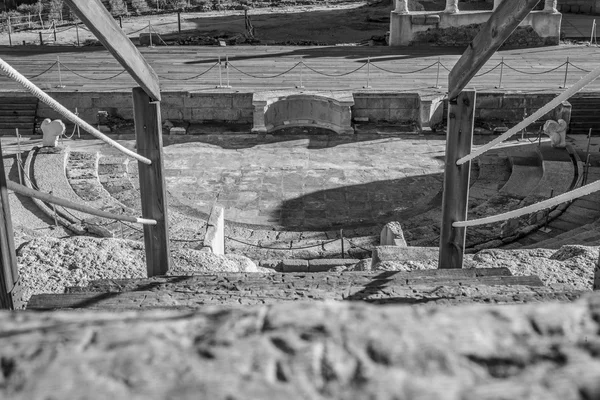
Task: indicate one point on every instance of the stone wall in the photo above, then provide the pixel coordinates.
(539, 27)
(386, 107)
(579, 6)
(177, 106)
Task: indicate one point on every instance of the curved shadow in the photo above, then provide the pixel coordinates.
(360, 205)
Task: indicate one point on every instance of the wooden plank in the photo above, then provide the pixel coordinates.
(10, 296)
(248, 281)
(461, 113)
(148, 133)
(198, 296)
(503, 21)
(97, 18)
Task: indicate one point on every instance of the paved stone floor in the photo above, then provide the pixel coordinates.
(316, 182)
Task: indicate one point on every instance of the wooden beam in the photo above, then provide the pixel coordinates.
(97, 18)
(10, 288)
(503, 21)
(148, 133)
(461, 112)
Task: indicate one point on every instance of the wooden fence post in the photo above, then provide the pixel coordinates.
(461, 112)
(10, 287)
(148, 133)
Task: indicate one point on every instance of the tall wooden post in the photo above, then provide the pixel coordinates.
(10, 287)
(459, 140)
(148, 133)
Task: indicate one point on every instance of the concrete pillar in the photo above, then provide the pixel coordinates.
(401, 7)
(550, 6)
(451, 6)
(497, 3)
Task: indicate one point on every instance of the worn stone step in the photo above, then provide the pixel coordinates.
(246, 281)
(324, 287)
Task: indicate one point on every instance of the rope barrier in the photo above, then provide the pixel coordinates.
(579, 68)
(191, 77)
(25, 191)
(586, 80)
(488, 71)
(563, 198)
(93, 79)
(403, 73)
(334, 75)
(263, 77)
(46, 70)
(59, 108)
(280, 248)
(536, 73)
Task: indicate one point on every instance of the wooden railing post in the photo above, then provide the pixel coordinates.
(461, 112)
(10, 288)
(148, 133)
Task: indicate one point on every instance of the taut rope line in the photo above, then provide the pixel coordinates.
(589, 78)
(59, 108)
(573, 194)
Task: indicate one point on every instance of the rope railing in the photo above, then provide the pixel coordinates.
(229, 65)
(25, 191)
(586, 80)
(549, 203)
(59, 108)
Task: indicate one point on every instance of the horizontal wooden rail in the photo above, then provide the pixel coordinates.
(25, 191)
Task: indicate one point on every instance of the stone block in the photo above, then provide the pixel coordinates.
(408, 102)
(392, 235)
(403, 114)
(327, 264)
(290, 265)
(510, 101)
(493, 101)
(242, 100)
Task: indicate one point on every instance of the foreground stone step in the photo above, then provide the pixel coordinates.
(453, 286)
(295, 351)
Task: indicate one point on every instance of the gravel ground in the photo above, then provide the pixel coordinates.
(48, 265)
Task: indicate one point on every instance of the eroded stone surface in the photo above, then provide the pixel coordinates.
(307, 351)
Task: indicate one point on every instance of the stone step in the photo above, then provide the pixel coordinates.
(234, 289)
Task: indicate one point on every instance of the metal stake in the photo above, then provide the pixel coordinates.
(60, 85)
(150, 31)
(120, 22)
(9, 33)
(437, 78)
(41, 39)
(564, 86)
(501, 73)
(301, 68)
(220, 74)
(179, 22)
(54, 29)
(368, 72)
(29, 20)
(77, 32)
(592, 34)
(342, 239)
(227, 69)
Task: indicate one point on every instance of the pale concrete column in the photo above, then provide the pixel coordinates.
(401, 7)
(497, 3)
(550, 6)
(451, 6)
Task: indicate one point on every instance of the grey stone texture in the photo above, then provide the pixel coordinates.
(307, 351)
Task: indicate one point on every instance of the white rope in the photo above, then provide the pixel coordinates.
(573, 194)
(36, 194)
(59, 108)
(586, 80)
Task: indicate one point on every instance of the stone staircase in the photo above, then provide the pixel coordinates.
(17, 113)
(584, 114)
(578, 224)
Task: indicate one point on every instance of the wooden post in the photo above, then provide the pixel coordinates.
(9, 33)
(148, 133)
(77, 32)
(41, 39)
(10, 288)
(456, 178)
(179, 22)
